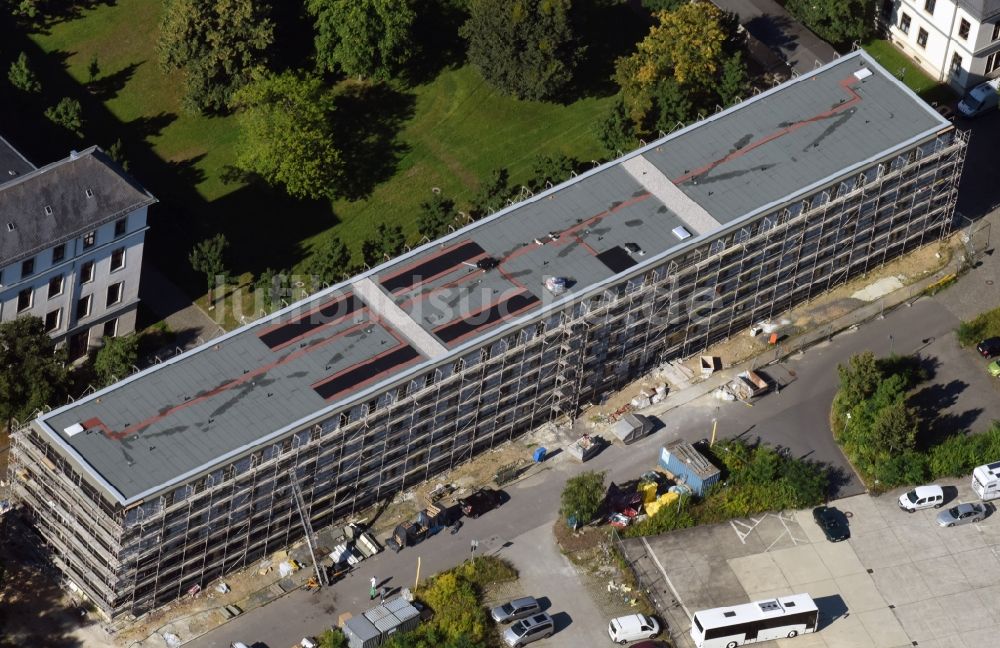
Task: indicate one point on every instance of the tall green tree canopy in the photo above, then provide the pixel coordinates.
(524, 48)
(32, 371)
(22, 77)
(116, 358)
(363, 38)
(582, 496)
(287, 134)
(686, 45)
(388, 242)
(216, 43)
(839, 21)
(331, 260)
(436, 215)
(208, 258)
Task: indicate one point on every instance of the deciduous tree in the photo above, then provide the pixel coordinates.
(436, 215)
(208, 258)
(363, 38)
(68, 114)
(524, 48)
(839, 21)
(32, 370)
(22, 77)
(116, 358)
(552, 168)
(287, 134)
(686, 45)
(216, 43)
(617, 130)
(582, 497)
(493, 193)
(734, 84)
(387, 242)
(331, 260)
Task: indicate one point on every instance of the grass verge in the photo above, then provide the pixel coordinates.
(898, 63)
(985, 325)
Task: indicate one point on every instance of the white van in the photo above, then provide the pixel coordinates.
(980, 99)
(922, 497)
(986, 481)
(633, 628)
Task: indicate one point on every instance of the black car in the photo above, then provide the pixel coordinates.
(833, 523)
(482, 501)
(989, 347)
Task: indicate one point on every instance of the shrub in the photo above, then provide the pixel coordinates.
(582, 497)
(909, 467)
(455, 602)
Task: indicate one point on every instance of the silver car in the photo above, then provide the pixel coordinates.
(516, 609)
(529, 630)
(961, 514)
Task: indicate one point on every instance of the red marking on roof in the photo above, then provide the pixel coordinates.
(142, 425)
(845, 84)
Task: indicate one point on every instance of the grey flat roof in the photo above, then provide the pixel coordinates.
(51, 204)
(182, 418)
(12, 163)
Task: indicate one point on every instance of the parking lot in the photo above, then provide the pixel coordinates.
(900, 580)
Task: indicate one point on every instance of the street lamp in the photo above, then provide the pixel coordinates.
(890, 344)
(474, 545)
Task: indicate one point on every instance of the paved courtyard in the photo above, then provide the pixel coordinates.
(899, 581)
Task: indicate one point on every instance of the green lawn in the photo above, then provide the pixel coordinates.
(448, 133)
(896, 62)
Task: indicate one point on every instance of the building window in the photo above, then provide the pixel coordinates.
(52, 320)
(922, 37)
(58, 253)
(992, 62)
(28, 267)
(114, 294)
(118, 259)
(111, 328)
(996, 31)
(963, 29)
(24, 299)
(120, 226)
(904, 23)
(89, 239)
(929, 6)
(83, 306)
(956, 65)
(87, 272)
(55, 286)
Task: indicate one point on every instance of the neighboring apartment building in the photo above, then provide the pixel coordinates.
(71, 240)
(156, 485)
(955, 41)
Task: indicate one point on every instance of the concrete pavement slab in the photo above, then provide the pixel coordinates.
(981, 568)
(963, 538)
(965, 609)
(812, 640)
(990, 596)
(879, 549)
(860, 593)
(943, 575)
(884, 628)
(865, 514)
(978, 637)
(847, 632)
(901, 584)
(800, 565)
(924, 620)
(838, 557)
(920, 542)
(758, 573)
(954, 641)
(810, 529)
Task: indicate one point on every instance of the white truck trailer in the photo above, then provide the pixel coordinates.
(986, 481)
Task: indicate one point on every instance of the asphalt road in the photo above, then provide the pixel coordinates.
(796, 418)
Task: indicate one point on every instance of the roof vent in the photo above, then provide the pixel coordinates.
(863, 73)
(74, 429)
(90, 193)
(10, 227)
(11, 172)
(769, 606)
(634, 249)
(48, 210)
(681, 232)
(73, 154)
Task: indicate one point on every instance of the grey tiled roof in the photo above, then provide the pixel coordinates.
(241, 391)
(12, 164)
(62, 187)
(981, 10)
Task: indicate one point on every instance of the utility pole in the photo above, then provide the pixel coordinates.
(715, 426)
(416, 583)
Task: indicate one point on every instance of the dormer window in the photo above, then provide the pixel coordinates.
(48, 210)
(10, 227)
(90, 193)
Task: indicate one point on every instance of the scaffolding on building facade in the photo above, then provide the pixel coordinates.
(132, 560)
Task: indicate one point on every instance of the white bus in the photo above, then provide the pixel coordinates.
(728, 627)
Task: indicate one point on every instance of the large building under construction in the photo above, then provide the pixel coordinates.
(184, 472)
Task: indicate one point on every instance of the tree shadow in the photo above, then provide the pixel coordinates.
(610, 31)
(53, 12)
(932, 399)
(772, 31)
(936, 429)
(147, 127)
(438, 43)
(108, 86)
(35, 610)
(186, 172)
(367, 122)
